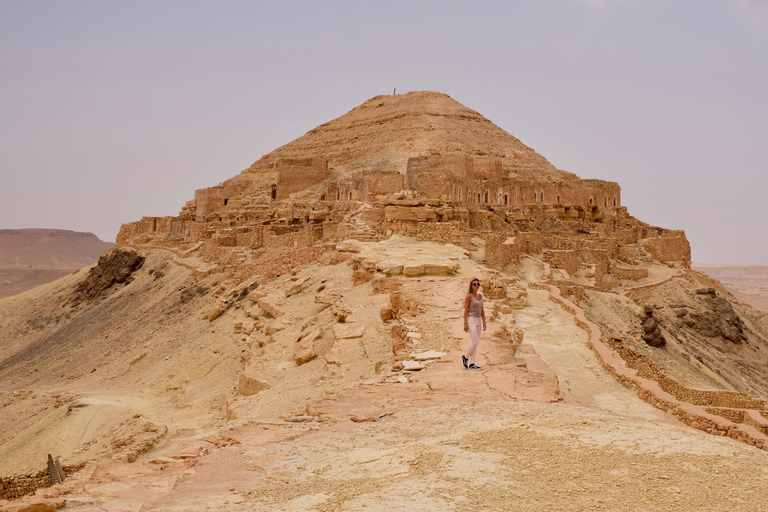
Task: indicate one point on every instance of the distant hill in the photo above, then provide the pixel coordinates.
(747, 282)
(32, 257)
(49, 248)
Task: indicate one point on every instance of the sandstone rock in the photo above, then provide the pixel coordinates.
(440, 269)
(341, 313)
(36, 505)
(392, 270)
(274, 327)
(386, 313)
(270, 306)
(309, 322)
(297, 287)
(299, 419)
(333, 356)
(363, 419)
(255, 295)
(348, 331)
(426, 356)
(349, 246)
(247, 386)
(651, 332)
(413, 366)
(713, 316)
(229, 413)
(413, 270)
(214, 314)
(304, 348)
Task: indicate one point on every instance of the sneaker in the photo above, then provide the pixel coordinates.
(473, 367)
(464, 361)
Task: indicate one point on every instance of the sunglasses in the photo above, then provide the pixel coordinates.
(475, 284)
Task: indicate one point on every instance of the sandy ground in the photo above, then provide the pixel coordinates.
(545, 428)
(17, 280)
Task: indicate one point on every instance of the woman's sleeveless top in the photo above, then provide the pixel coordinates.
(475, 307)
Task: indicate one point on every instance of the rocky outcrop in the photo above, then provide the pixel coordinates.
(651, 332)
(115, 267)
(713, 316)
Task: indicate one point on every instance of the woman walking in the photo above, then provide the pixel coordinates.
(473, 315)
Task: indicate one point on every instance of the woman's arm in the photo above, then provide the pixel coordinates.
(466, 311)
(482, 312)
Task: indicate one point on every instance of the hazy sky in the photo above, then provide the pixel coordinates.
(110, 111)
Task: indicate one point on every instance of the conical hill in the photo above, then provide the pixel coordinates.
(382, 133)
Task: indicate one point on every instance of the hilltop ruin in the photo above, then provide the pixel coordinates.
(421, 165)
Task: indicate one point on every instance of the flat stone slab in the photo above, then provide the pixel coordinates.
(429, 354)
(413, 366)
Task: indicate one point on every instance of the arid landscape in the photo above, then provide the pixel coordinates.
(748, 283)
(31, 257)
(292, 341)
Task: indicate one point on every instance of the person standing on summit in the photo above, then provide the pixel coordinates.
(473, 315)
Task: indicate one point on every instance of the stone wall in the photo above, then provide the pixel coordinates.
(441, 232)
(669, 249)
(472, 179)
(501, 251)
(633, 274)
(297, 174)
(566, 260)
(23, 485)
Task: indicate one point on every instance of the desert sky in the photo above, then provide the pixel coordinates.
(111, 111)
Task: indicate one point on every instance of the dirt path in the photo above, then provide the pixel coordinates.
(564, 347)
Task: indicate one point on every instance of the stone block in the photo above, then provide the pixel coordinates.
(298, 286)
(255, 295)
(348, 331)
(304, 348)
(247, 386)
(413, 270)
(269, 305)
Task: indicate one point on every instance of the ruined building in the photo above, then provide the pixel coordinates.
(418, 164)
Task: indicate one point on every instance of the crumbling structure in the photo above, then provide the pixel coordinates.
(420, 165)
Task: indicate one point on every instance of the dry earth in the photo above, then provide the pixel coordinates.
(540, 428)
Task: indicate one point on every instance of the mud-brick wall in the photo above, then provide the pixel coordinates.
(632, 274)
(672, 248)
(441, 232)
(501, 251)
(566, 260)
